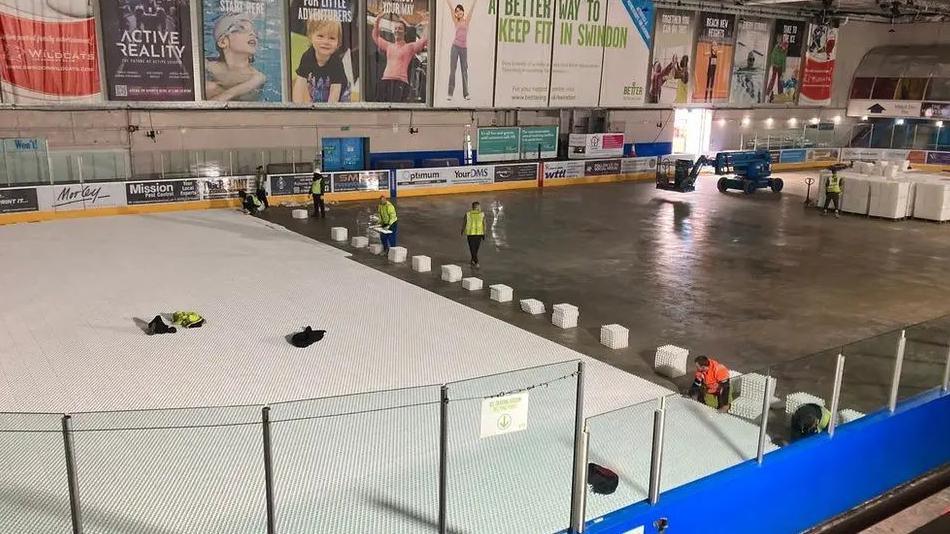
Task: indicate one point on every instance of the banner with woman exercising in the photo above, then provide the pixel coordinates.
(465, 53)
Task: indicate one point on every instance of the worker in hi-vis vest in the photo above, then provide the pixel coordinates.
(188, 319)
(316, 191)
(387, 219)
(833, 192)
(808, 420)
(474, 230)
(711, 384)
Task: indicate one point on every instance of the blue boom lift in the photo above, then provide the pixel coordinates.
(749, 170)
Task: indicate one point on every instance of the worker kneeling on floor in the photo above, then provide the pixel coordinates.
(251, 203)
(711, 385)
(188, 319)
(809, 420)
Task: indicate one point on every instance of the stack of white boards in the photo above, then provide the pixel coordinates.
(794, 401)
(671, 361)
(501, 293)
(855, 195)
(614, 336)
(532, 306)
(472, 283)
(338, 233)
(359, 241)
(398, 254)
(751, 390)
(451, 273)
(299, 214)
(888, 198)
(565, 316)
(421, 264)
(848, 415)
(932, 201)
(376, 248)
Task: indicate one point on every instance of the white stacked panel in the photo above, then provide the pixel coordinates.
(359, 241)
(734, 382)
(911, 196)
(338, 233)
(376, 248)
(299, 214)
(932, 201)
(398, 254)
(614, 336)
(472, 283)
(451, 273)
(501, 293)
(888, 199)
(565, 316)
(847, 415)
(746, 408)
(794, 401)
(855, 195)
(421, 264)
(822, 182)
(671, 361)
(532, 306)
(750, 387)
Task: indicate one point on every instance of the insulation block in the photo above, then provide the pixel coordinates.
(338, 233)
(472, 283)
(614, 336)
(855, 195)
(671, 361)
(532, 306)
(501, 293)
(421, 264)
(888, 199)
(376, 248)
(300, 214)
(746, 408)
(847, 415)
(932, 201)
(451, 273)
(359, 241)
(398, 254)
(794, 401)
(565, 315)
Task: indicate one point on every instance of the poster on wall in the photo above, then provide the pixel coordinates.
(397, 50)
(465, 53)
(525, 38)
(713, 61)
(588, 146)
(752, 48)
(785, 60)
(48, 52)
(672, 45)
(624, 77)
(147, 47)
(242, 50)
(580, 36)
(819, 66)
(324, 51)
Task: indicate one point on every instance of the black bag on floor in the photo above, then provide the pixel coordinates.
(306, 338)
(158, 326)
(602, 481)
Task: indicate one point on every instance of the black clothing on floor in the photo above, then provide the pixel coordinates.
(602, 481)
(158, 326)
(306, 338)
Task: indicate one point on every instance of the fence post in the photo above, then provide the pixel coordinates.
(656, 458)
(71, 479)
(763, 427)
(268, 471)
(443, 455)
(836, 395)
(946, 373)
(898, 364)
(579, 482)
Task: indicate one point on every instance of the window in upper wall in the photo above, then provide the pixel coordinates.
(884, 88)
(861, 88)
(939, 89)
(911, 89)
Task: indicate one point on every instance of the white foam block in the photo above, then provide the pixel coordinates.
(888, 198)
(421, 264)
(564, 321)
(614, 336)
(299, 214)
(855, 195)
(359, 241)
(451, 273)
(376, 248)
(532, 306)
(932, 201)
(338, 233)
(796, 400)
(671, 361)
(398, 254)
(746, 408)
(472, 283)
(501, 293)
(847, 415)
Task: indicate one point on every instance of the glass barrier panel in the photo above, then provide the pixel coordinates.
(177, 470)
(866, 381)
(357, 463)
(800, 382)
(34, 491)
(925, 356)
(511, 449)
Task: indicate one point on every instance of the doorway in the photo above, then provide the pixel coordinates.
(691, 128)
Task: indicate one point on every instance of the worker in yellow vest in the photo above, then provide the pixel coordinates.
(833, 192)
(316, 191)
(387, 219)
(474, 230)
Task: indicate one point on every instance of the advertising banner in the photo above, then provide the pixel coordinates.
(819, 67)
(242, 50)
(785, 60)
(499, 144)
(672, 45)
(935, 110)
(748, 74)
(290, 184)
(580, 35)
(525, 39)
(539, 142)
(713, 61)
(82, 196)
(554, 170)
(637, 165)
(516, 173)
(465, 61)
(590, 146)
(217, 188)
(917, 156)
(162, 191)
(823, 154)
(343, 182)
(48, 52)
(796, 155)
(324, 51)
(444, 176)
(602, 168)
(938, 158)
(18, 200)
(885, 108)
(397, 50)
(148, 51)
(860, 154)
(624, 78)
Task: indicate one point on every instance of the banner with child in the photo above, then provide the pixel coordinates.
(324, 52)
(242, 50)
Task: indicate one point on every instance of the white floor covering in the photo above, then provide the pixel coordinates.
(69, 342)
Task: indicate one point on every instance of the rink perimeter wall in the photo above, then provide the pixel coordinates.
(806, 483)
